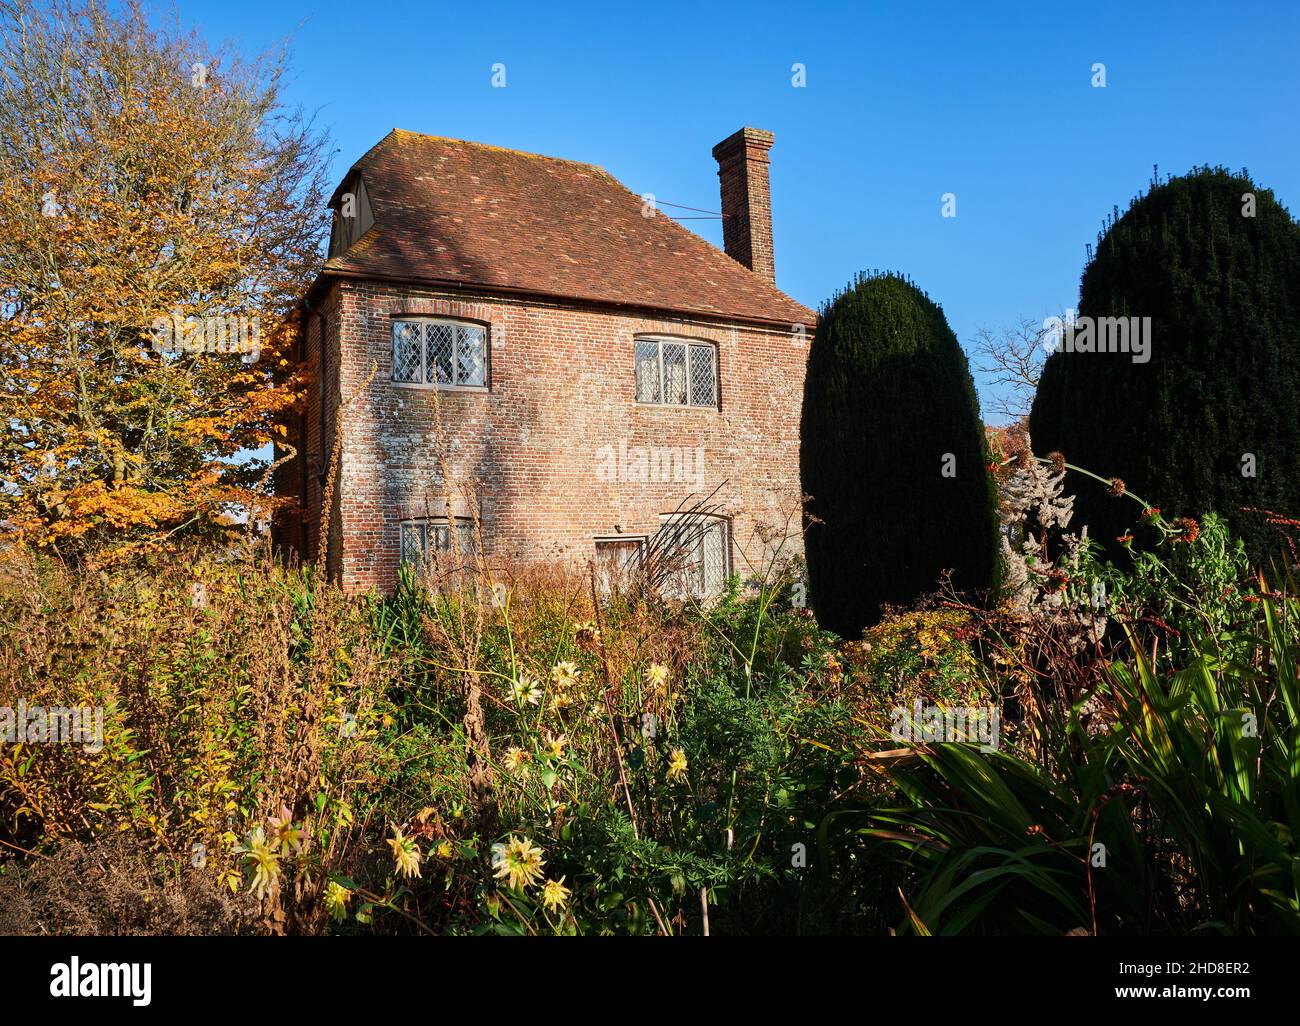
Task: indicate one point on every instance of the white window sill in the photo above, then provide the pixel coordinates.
(420, 387)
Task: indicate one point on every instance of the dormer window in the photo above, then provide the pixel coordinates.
(446, 354)
(352, 216)
(672, 372)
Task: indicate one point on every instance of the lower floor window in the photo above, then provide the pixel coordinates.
(421, 539)
(701, 561)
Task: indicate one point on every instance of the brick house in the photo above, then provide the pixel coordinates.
(590, 361)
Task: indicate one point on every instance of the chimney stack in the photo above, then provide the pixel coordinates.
(747, 199)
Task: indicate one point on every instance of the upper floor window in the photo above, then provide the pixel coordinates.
(674, 373)
(449, 354)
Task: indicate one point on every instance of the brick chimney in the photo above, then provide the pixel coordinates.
(747, 199)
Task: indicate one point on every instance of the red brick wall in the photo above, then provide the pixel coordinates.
(561, 388)
(312, 433)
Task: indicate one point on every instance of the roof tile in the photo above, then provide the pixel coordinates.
(450, 211)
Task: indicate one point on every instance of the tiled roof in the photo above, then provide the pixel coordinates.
(455, 212)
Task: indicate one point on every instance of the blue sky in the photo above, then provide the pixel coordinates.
(904, 102)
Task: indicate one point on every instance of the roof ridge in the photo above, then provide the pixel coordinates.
(355, 167)
(491, 146)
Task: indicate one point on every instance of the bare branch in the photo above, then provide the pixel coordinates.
(1013, 359)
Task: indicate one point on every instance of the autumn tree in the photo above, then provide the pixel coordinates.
(160, 212)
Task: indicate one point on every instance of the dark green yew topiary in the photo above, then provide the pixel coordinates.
(893, 456)
(1218, 400)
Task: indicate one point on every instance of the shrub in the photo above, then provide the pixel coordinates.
(1174, 812)
(893, 456)
(109, 888)
(281, 758)
(922, 654)
(1212, 421)
(259, 692)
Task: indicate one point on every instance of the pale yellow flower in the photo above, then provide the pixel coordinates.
(561, 700)
(445, 850)
(336, 900)
(656, 675)
(555, 746)
(676, 765)
(514, 761)
(564, 675)
(406, 854)
(555, 895)
(265, 859)
(527, 690)
(519, 862)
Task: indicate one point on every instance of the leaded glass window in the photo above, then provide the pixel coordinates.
(674, 373)
(421, 540)
(443, 353)
(702, 560)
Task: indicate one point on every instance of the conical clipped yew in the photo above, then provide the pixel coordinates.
(1211, 421)
(893, 456)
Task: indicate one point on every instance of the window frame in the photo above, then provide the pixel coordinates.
(688, 344)
(639, 540)
(707, 523)
(468, 547)
(456, 325)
